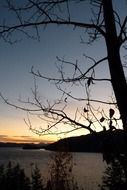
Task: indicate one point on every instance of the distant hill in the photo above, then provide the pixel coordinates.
(34, 146)
(23, 145)
(98, 142)
(9, 144)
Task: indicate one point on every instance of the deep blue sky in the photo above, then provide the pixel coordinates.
(16, 61)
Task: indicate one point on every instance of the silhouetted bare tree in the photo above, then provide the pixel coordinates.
(33, 14)
(105, 23)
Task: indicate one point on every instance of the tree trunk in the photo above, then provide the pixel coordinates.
(118, 79)
(116, 70)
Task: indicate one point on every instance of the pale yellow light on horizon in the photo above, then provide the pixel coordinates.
(15, 130)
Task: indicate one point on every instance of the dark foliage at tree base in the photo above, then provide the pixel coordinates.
(114, 177)
(13, 177)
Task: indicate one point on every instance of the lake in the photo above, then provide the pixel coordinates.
(88, 167)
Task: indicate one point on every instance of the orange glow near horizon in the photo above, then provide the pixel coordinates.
(19, 139)
(15, 130)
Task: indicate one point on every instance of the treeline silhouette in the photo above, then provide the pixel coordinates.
(95, 142)
(13, 177)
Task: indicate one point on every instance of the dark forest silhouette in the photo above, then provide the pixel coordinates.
(13, 177)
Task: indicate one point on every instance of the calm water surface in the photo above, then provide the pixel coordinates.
(88, 167)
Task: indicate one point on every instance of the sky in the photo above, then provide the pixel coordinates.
(16, 81)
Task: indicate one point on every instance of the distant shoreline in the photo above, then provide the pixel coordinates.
(22, 145)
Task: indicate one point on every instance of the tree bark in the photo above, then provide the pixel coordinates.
(118, 79)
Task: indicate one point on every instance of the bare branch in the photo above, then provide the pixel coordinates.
(122, 36)
(68, 94)
(6, 29)
(82, 76)
(60, 116)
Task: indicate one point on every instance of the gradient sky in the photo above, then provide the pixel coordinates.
(16, 61)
